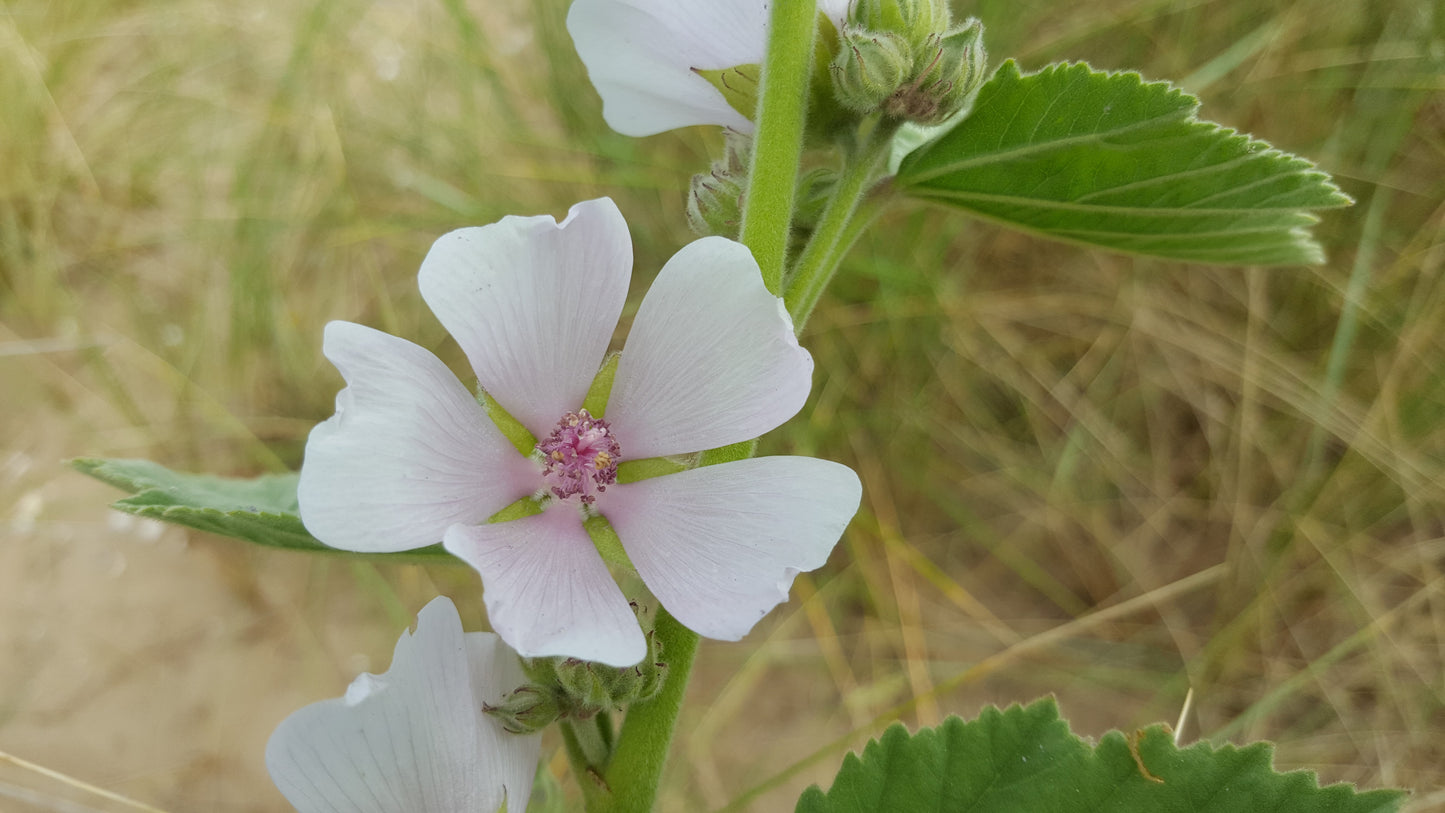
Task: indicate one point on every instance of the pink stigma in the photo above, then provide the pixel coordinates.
(580, 457)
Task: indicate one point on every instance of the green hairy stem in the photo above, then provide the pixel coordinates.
(635, 769)
(778, 144)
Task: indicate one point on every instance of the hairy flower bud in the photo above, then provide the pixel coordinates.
(815, 190)
(869, 68)
(714, 205)
(947, 72)
(914, 20)
(527, 710)
(715, 197)
(591, 687)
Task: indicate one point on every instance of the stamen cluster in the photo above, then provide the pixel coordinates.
(580, 457)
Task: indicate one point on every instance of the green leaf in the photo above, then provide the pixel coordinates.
(262, 510)
(1025, 758)
(1107, 159)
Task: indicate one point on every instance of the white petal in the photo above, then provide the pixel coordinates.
(837, 10)
(547, 590)
(720, 545)
(413, 738)
(711, 359)
(495, 673)
(408, 453)
(533, 302)
(640, 56)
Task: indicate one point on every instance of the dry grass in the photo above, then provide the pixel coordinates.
(1108, 478)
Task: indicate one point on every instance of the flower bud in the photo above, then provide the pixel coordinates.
(591, 687)
(815, 190)
(869, 68)
(948, 70)
(527, 710)
(714, 205)
(587, 685)
(715, 197)
(914, 20)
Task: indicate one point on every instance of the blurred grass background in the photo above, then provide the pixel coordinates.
(1110, 478)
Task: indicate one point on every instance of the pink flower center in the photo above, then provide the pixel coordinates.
(580, 457)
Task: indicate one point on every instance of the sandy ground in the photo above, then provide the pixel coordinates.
(136, 657)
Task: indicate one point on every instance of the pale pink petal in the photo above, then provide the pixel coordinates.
(413, 738)
(547, 590)
(533, 303)
(720, 545)
(408, 453)
(711, 358)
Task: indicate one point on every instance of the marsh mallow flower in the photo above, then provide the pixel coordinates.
(411, 458)
(414, 738)
(649, 59)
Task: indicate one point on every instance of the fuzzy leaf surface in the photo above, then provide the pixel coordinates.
(1110, 160)
(262, 510)
(1025, 758)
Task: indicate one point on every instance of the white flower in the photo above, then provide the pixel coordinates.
(410, 458)
(414, 738)
(642, 56)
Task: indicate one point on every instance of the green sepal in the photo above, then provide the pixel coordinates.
(525, 507)
(630, 471)
(738, 85)
(596, 401)
(261, 510)
(511, 428)
(729, 453)
(607, 543)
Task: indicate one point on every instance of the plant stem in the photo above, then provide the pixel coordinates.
(588, 753)
(840, 225)
(778, 144)
(591, 742)
(636, 765)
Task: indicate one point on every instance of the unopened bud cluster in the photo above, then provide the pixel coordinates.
(573, 689)
(906, 59)
(715, 198)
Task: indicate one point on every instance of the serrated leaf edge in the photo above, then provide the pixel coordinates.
(1188, 111)
(1262, 751)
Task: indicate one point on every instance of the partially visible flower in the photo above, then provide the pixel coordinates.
(413, 738)
(644, 57)
(411, 458)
